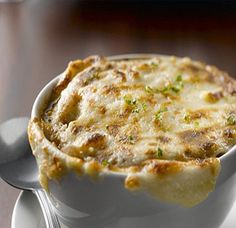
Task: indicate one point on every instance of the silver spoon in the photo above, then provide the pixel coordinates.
(18, 166)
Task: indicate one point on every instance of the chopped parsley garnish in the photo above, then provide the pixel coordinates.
(154, 65)
(175, 87)
(187, 118)
(144, 106)
(179, 78)
(159, 113)
(105, 163)
(196, 124)
(131, 139)
(136, 104)
(178, 84)
(159, 152)
(149, 89)
(136, 110)
(130, 101)
(231, 120)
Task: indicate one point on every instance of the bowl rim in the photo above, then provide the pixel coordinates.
(44, 94)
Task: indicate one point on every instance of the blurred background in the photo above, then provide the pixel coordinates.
(39, 37)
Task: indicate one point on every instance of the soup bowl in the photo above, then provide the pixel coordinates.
(80, 201)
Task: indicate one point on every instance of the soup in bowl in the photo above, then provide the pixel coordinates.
(137, 141)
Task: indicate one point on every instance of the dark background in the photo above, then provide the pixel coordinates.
(39, 37)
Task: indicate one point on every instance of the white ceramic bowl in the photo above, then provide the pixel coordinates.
(80, 202)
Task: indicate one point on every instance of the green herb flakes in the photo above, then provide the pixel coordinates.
(196, 124)
(137, 105)
(178, 84)
(136, 110)
(149, 89)
(187, 118)
(175, 87)
(130, 101)
(231, 120)
(179, 78)
(159, 152)
(154, 65)
(144, 106)
(131, 139)
(105, 163)
(159, 113)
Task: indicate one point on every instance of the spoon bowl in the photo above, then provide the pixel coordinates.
(17, 164)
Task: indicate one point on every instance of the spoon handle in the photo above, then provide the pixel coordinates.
(50, 217)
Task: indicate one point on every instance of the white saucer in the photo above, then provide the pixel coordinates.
(27, 213)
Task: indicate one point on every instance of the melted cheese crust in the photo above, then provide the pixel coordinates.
(162, 121)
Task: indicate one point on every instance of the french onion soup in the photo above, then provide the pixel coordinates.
(162, 122)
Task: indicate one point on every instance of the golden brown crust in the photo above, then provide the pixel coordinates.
(196, 139)
(163, 116)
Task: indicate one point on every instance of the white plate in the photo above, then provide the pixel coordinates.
(27, 213)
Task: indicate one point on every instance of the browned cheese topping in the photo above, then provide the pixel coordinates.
(161, 121)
